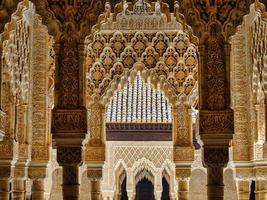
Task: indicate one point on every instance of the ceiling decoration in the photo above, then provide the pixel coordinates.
(7, 8)
(227, 15)
(141, 39)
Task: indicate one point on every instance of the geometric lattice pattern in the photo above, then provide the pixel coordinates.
(130, 154)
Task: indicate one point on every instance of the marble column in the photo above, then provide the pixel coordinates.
(95, 176)
(95, 189)
(70, 159)
(183, 189)
(215, 159)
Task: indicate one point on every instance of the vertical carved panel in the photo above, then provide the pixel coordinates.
(214, 75)
(69, 90)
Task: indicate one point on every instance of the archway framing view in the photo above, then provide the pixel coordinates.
(133, 99)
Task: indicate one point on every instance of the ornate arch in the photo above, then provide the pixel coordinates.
(119, 174)
(28, 82)
(144, 168)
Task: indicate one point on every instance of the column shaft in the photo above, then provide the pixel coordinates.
(70, 186)
(215, 185)
(183, 193)
(95, 190)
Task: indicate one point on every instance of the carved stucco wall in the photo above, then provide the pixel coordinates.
(248, 69)
(27, 52)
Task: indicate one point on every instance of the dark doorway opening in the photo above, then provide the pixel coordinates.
(166, 190)
(252, 191)
(144, 190)
(123, 190)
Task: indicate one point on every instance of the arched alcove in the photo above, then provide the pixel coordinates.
(165, 189)
(144, 190)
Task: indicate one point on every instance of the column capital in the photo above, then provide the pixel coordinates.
(183, 173)
(69, 155)
(95, 173)
(216, 156)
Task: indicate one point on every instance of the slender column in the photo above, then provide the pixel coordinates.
(70, 184)
(70, 159)
(183, 174)
(183, 189)
(95, 176)
(243, 188)
(95, 190)
(215, 159)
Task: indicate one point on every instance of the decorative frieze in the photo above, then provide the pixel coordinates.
(216, 122)
(69, 121)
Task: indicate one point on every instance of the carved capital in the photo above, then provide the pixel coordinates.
(216, 157)
(183, 173)
(69, 155)
(94, 174)
(69, 121)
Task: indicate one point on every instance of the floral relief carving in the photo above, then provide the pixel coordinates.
(158, 51)
(69, 121)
